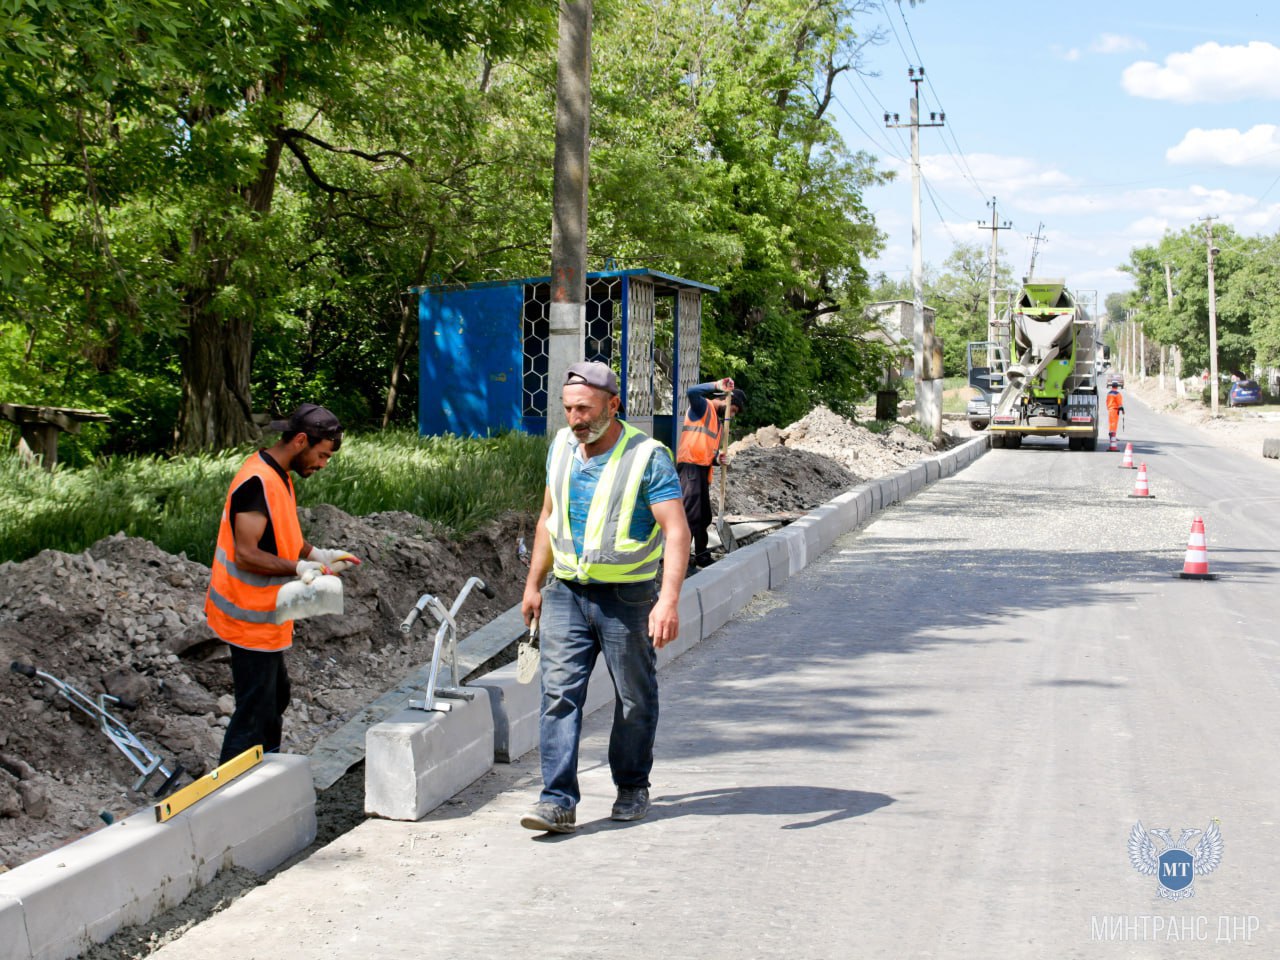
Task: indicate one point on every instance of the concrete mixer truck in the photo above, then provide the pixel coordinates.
(1043, 361)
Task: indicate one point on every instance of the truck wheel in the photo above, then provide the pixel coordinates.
(1012, 441)
(997, 441)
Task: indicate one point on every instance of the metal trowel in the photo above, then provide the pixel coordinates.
(528, 655)
(309, 596)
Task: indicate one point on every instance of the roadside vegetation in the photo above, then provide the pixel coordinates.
(176, 502)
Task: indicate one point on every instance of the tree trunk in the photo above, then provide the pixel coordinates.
(216, 408)
(406, 338)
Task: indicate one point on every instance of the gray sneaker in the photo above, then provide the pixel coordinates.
(549, 818)
(632, 804)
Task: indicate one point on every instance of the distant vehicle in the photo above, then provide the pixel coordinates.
(982, 359)
(1116, 377)
(1244, 393)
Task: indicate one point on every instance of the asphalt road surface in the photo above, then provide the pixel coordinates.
(935, 742)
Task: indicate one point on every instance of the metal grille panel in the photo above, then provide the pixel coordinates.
(639, 398)
(689, 347)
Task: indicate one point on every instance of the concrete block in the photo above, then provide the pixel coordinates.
(948, 462)
(877, 496)
(257, 821)
(917, 477)
(775, 548)
(515, 708)
(888, 490)
(822, 528)
(865, 504)
(415, 761)
(14, 944)
(690, 611)
(797, 556)
(84, 892)
(932, 469)
(846, 514)
(727, 586)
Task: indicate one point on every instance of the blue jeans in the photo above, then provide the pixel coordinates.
(580, 621)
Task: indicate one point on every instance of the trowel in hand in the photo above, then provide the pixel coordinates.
(311, 595)
(528, 654)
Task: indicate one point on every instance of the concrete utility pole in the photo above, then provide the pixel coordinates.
(1213, 318)
(928, 388)
(1035, 248)
(569, 202)
(995, 229)
(1179, 388)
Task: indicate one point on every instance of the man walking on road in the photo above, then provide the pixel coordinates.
(260, 549)
(611, 498)
(699, 450)
(1115, 407)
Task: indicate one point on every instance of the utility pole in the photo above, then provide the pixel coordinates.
(1213, 319)
(928, 390)
(1179, 388)
(995, 229)
(566, 345)
(1035, 248)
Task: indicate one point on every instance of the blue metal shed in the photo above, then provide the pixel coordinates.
(483, 350)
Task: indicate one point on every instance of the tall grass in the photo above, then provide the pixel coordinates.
(176, 502)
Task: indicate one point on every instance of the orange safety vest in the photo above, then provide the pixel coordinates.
(700, 439)
(241, 604)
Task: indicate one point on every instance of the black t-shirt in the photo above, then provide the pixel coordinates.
(250, 497)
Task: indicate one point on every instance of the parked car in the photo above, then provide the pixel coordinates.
(1244, 393)
(978, 412)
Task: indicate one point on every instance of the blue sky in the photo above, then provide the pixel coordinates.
(1107, 122)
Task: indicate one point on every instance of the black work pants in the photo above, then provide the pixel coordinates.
(262, 696)
(695, 494)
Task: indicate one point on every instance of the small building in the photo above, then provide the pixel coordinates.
(896, 320)
(483, 350)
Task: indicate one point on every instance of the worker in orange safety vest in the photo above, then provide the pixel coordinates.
(699, 450)
(260, 549)
(1115, 407)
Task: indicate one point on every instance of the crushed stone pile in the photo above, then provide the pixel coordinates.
(127, 619)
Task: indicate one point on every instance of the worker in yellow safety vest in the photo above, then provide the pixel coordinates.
(260, 549)
(611, 500)
(699, 451)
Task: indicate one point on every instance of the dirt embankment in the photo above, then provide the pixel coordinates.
(126, 619)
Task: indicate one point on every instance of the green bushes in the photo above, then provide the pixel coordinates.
(176, 503)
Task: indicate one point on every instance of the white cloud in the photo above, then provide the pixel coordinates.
(1115, 43)
(1259, 146)
(1209, 73)
(1070, 54)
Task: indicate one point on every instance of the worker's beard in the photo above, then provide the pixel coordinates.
(593, 430)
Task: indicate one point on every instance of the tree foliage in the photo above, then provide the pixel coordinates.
(213, 209)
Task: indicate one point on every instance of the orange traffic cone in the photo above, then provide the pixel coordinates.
(1196, 565)
(1111, 447)
(1140, 488)
(1127, 462)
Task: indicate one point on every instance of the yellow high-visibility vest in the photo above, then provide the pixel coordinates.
(609, 555)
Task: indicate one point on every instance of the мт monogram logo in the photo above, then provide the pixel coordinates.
(1176, 866)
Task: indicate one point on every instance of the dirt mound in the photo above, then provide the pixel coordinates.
(126, 618)
(796, 468)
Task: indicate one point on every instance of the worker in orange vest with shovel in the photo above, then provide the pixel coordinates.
(1115, 407)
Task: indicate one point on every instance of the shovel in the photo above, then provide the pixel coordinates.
(723, 530)
(528, 655)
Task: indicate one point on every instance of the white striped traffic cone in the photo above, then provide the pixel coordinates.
(1196, 565)
(1140, 488)
(1127, 462)
(1111, 447)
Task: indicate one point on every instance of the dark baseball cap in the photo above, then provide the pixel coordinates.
(313, 420)
(592, 373)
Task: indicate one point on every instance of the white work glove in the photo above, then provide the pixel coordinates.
(308, 570)
(725, 385)
(334, 561)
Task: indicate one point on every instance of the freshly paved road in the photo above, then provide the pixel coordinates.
(931, 743)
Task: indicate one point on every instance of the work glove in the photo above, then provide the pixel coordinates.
(725, 385)
(1122, 409)
(308, 570)
(334, 561)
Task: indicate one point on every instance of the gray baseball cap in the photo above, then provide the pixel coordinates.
(592, 373)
